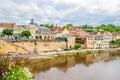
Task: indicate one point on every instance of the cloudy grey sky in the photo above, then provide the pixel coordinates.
(77, 12)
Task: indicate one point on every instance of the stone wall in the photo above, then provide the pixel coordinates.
(41, 46)
(6, 47)
(26, 47)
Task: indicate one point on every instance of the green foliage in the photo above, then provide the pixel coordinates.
(7, 32)
(67, 26)
(112, 41)
(47, 25)
(77, 46)
(17, 73)
(25, 33)
(109, 27)
(101, 28)
(86, 27)
(89, 28)
(12, 68)
(117, 41)
(70, 25)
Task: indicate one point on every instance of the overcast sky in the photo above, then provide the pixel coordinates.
(77, 12)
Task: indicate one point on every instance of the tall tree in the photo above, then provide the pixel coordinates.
(25, 33)
(7, 32)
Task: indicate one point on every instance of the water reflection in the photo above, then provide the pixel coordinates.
(100, 66)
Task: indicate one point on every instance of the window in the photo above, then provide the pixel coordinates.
(36, 31)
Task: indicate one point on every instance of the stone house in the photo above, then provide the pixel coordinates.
(83, 38)
(43, 33)
(86, 42)
(40, 32)
(70, 42)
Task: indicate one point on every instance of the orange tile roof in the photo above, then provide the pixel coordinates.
(56, 30)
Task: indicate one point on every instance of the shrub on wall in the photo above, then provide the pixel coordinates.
(77, 46)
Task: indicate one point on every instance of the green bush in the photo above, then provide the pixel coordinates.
(77, 46)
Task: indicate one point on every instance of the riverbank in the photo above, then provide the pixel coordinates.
(48, 54)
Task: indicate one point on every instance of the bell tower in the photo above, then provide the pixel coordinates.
(32, 21)
(32, 28)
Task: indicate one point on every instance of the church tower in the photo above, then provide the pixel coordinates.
(33, 28)
(32, 21)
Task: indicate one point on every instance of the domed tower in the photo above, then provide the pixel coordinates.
(32, 28)
(32, 21)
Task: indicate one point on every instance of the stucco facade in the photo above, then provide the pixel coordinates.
(101, 41)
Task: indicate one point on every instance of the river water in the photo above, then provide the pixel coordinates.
(103, 66)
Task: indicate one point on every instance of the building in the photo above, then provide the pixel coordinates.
(101, 40)
(40, 32)
(6, 25)
(56, 30)
(86, 42)
(43, 33)
(70, 42)
(18, 29)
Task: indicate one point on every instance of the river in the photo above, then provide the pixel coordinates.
(99, 66)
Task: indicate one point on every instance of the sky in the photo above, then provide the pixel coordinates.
(61, 12)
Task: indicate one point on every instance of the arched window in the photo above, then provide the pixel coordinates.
(36, 37)
(48, 37)
(45, 37)
(40, 37)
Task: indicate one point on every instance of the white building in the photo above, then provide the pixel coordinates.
(101, 40)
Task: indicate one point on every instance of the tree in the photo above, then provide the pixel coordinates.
(25, 33)
(113, 42)
(77, 46)
(47, 25)
(7, 32)
(86, 26)
(109, 27)
(67, 27)
(70, 25)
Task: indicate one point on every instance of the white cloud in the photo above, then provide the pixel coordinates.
(59, 11)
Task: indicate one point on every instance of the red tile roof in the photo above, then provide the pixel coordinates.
(115, 34)
(80, 33)
(56, 29)
(104, 33)
(74, 29)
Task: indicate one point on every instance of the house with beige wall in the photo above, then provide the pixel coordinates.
(70, 42)
(85, 42)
